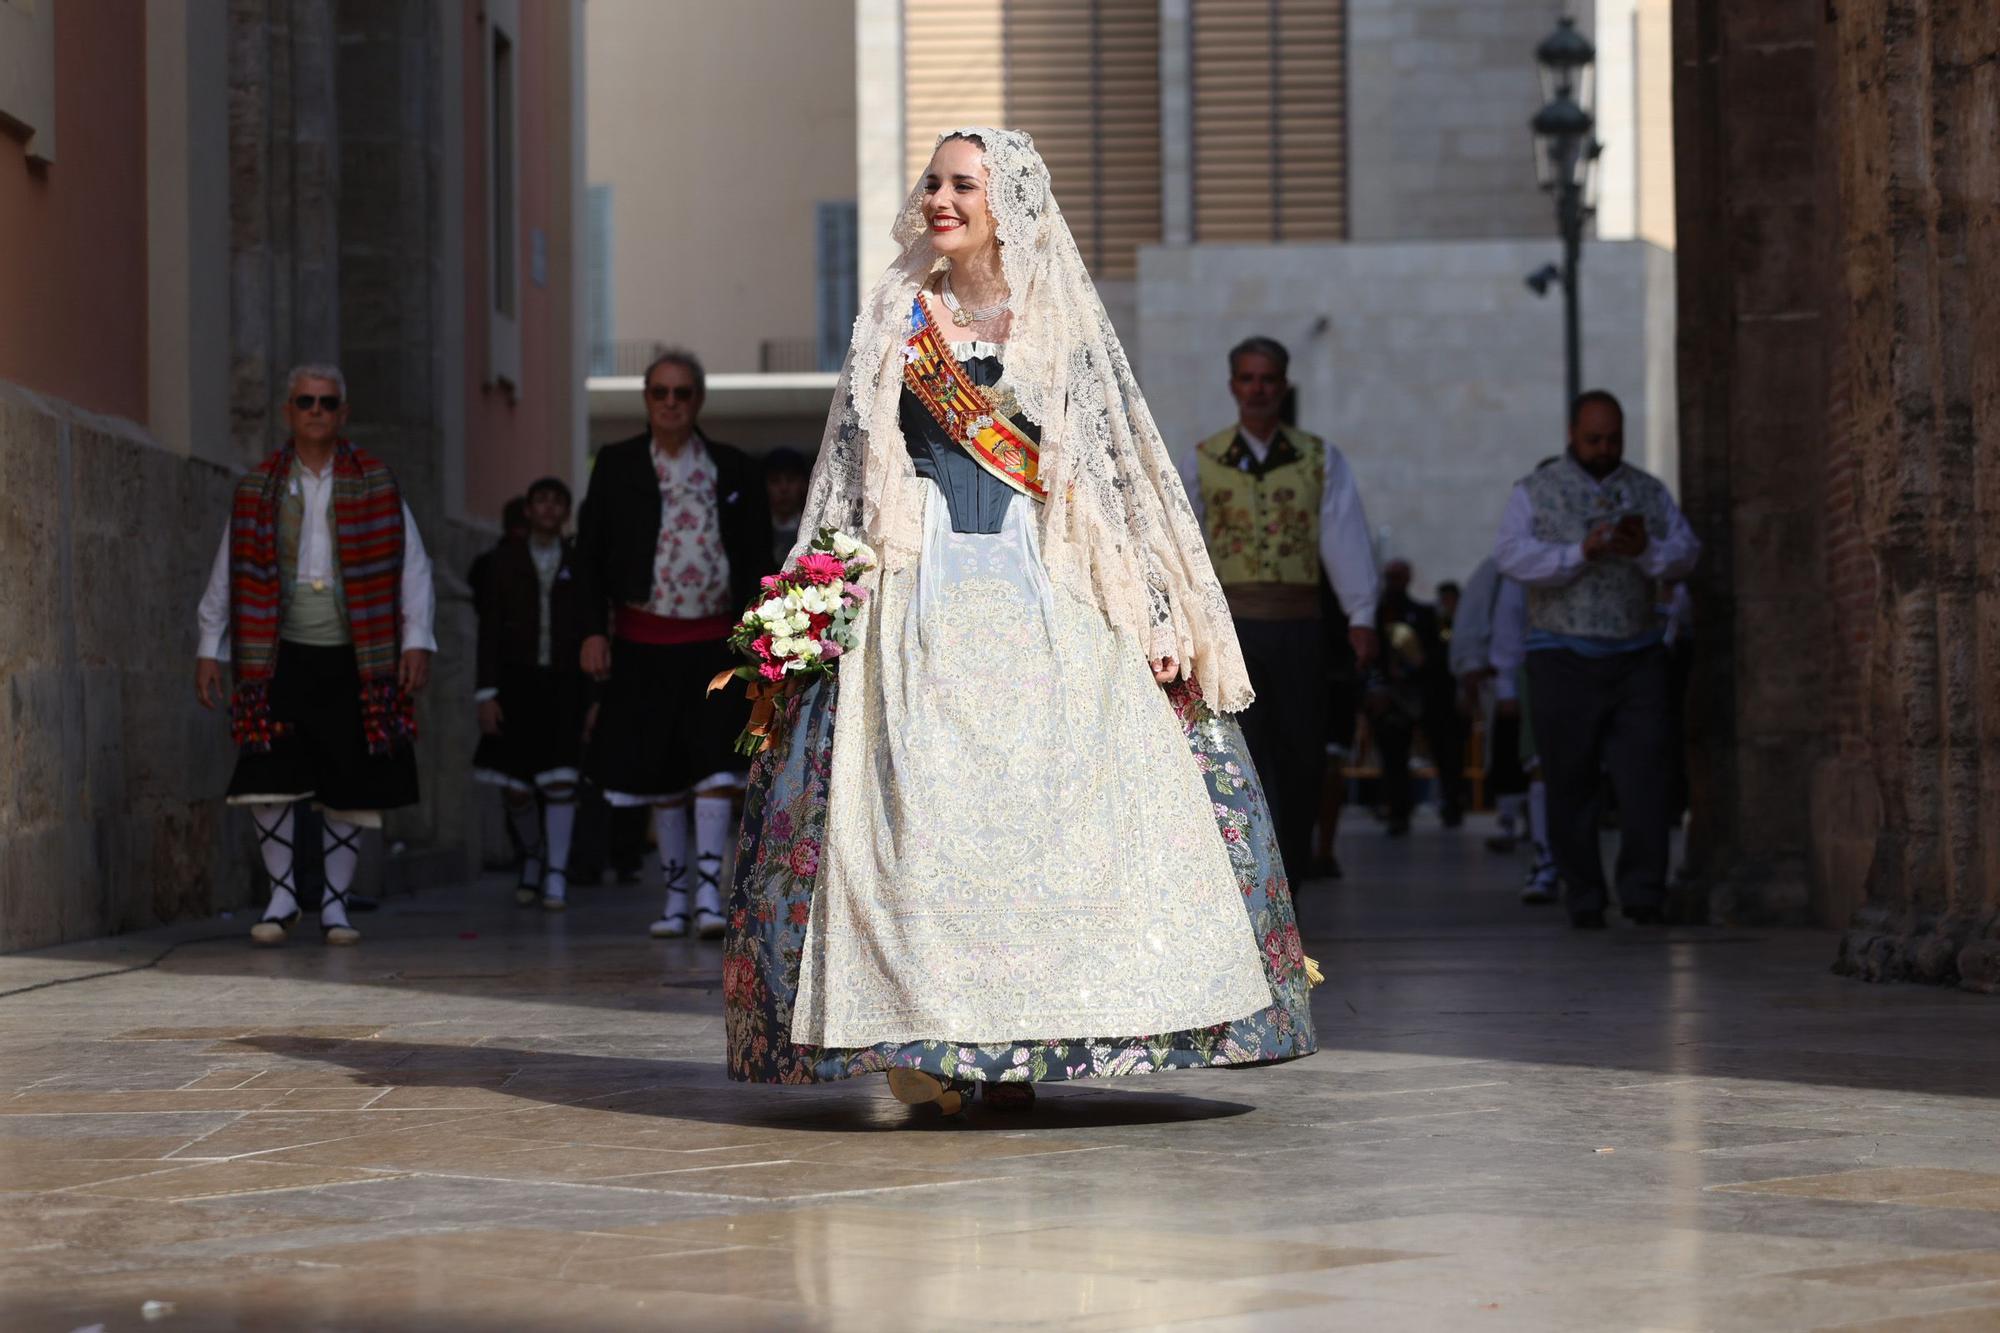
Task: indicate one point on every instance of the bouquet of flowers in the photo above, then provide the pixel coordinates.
(796, 632)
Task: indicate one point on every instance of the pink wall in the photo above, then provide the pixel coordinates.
(510, 441)
(73, 234)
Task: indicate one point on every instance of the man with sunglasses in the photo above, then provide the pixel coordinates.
(673, 536)
(1278, 507)
(320, 597)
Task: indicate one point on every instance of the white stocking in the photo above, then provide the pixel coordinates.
(711, 843)
(274, 842)
(558, 823)
(670, 830)
(525, 818)
(341, 844)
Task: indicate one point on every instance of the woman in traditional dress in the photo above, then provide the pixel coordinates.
(1016, 837)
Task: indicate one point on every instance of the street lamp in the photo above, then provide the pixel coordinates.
(1566, 152)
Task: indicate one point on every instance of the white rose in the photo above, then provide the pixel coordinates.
(770, 611)
(844, 545)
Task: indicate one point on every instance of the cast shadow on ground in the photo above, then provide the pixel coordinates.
(696, 1090)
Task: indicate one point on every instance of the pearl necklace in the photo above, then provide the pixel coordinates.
(964, 318)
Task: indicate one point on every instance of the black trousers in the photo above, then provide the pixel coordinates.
(1503, 757)
(1286, 727)
(1593, 714)
(1444, 732)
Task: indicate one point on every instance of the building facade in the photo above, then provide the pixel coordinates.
(1840, 306)
(194, 197)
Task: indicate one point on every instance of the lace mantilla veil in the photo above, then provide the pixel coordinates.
(1116, 528)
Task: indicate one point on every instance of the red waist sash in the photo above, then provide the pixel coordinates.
(634, 625)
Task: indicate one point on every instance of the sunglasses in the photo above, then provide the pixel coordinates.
(680, 393)
(328, 402)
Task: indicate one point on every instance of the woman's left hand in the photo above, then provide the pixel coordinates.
(1165, 669)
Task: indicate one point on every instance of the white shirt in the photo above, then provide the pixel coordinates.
(1522, 555)
(1344, 546)
(1472, 630)
(316, 561)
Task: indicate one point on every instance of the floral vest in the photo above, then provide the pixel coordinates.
(1262, 521)
(1610, 599)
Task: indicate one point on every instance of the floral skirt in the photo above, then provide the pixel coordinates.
(770, 908)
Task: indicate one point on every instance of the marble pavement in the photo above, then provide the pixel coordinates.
(491, 1119)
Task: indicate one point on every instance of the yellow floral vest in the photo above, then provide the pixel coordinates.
(1262, 526)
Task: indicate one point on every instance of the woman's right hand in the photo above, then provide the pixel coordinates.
(490, 717)
(596, 657)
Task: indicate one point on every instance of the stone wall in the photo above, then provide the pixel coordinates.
(108, 770)
(1840, 297)
(1439, 97)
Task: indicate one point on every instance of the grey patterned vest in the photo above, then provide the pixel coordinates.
(1610, 599)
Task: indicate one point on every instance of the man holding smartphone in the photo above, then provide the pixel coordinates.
(1589, 536)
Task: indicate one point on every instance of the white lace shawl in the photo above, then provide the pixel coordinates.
(1117, 527)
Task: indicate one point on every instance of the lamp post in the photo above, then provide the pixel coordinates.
(1566, 153)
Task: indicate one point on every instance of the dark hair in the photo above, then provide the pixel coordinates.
(514, 514)
(786, 463)
(1258, 345)
(556, 484)
(678, 356)
(1447, 586)
(1589, 396)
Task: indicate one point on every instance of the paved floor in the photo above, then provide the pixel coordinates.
(487, 1119)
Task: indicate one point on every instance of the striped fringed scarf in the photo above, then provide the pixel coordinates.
(368, 537)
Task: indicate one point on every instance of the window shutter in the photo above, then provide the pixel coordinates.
(952, 73)
(838, 287)
(1270, 136)
(1081, 76)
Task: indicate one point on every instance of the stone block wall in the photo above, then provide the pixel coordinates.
(1439, 97)
(1840, 300)
(109, 771)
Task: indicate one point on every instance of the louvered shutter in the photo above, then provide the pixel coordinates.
(1270, 137)
(1082, 76)
(952, 73)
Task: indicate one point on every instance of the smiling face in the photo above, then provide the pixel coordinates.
(954, 200)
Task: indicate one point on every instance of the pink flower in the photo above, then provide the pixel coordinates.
(772, 671)
(829, 650)
(858, 593)
(761, 645)
(769, 582)
(805, 858)
(818, 567)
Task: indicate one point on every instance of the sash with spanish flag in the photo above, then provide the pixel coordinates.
(969, 413)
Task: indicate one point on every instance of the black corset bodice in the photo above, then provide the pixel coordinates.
(975, 497)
